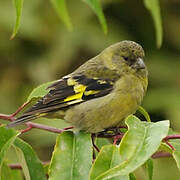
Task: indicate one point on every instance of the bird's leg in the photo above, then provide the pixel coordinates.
(93, 137)
(109, 132)
(11, 117)
(114, 133)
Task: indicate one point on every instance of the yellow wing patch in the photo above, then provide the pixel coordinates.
(73, 97)
(90, 92)
(79, 89)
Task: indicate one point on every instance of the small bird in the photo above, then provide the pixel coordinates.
(98, 95)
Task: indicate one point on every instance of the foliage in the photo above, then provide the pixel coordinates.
(56, 43)
(73, 152)
(61, 9)
(72, 155)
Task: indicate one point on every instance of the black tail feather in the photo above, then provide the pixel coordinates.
(21, 120)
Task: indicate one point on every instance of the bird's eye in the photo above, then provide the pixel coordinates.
(125, 58)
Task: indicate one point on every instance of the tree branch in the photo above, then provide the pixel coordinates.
(31, 125)
(11, 117)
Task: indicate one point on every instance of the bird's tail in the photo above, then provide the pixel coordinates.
(24, 118)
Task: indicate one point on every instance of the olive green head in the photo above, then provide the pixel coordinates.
(125, 55)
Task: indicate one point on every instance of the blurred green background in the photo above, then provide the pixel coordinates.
(44, 50)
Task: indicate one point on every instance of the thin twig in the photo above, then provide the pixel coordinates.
(6, 117)
(173, 136)
(167, 138)
(18, 166)
(15, 166)
(169, 144)
(11, 117)
(20, 109)
(31, 125)
(161, 154)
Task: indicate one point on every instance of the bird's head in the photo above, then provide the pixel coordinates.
(125, 56)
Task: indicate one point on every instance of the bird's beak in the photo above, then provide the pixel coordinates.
(139, 64)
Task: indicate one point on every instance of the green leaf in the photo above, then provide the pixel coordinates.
(31, 165)
(100, 142)
(154, 9)
(144, 113)
(46, 168)
(7, 137)
(165, 147)
(176, 153)
(72, 157)
(10, 174)
(96, 7)
(138, 144)
(106, 159)
(132, 176)
(176, 156)
(39, 91)
(18, 6)
(149, 167)
(61, 9)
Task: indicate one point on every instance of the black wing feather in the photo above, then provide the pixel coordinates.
(59, 96)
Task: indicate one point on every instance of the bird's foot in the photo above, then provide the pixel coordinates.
(110, 132)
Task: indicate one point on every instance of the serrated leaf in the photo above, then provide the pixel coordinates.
(72, 157)
(31, 165)
(96, 7)
(61, 9)
(154, 9)
(138, 144)
(149, 167)
(7, 137)
(107, 158)
(144, 113)
(18, 5)
(39, 91)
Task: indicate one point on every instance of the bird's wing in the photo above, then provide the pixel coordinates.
(71, 90)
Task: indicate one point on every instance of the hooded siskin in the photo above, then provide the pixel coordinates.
(100, 93)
